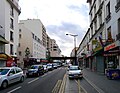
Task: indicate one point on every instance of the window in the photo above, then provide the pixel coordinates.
(117, 7)
(108, 14)
(20, 36)
(99, 2)
(11, 11)
(95, 25)
(11, 23)
(33, 35)
(18, 70)
(20, 30)
(95, 9)
(12, 72)
(11, 49)
(100, 18)
(19, 45)
(20, 53)
(118, 35)
(11, 35)
(119, 25)
(118, 1)
(91, 31)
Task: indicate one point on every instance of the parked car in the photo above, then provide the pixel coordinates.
(50, 67)
(55, 65)
(35, 70)
(45, 68)
(75, 72)
(9, 75)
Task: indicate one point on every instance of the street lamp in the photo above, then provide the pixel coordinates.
(74, 35)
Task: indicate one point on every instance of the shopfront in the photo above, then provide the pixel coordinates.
(112, 55)
(5, 60)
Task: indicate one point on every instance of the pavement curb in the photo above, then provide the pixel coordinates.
(62, 87)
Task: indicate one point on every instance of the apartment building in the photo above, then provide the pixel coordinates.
(112, 21)
(54, 49)
(30, 40)
(100, 47)
(10, 11)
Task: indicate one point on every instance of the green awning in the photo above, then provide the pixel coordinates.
(3, 40)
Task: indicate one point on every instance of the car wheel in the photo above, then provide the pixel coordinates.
(22, 79)
(4, 84)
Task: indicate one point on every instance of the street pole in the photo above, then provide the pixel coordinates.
(74, 47)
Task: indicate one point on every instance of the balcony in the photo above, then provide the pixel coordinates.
(117, 7)
(15, 5)
(118, 36)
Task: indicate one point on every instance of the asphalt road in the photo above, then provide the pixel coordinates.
(42, 84)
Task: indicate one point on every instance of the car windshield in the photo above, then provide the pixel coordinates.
(74, 68)
(34, 67)
(3, 71)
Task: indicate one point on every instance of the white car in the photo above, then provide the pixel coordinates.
(75, 72)
(9, 75)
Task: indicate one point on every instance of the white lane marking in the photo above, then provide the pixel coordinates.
(92, 84)
(14, 89)
(33, 80)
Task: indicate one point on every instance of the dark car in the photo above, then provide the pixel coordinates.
(35, 70)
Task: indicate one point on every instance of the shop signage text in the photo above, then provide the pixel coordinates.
(111, 46)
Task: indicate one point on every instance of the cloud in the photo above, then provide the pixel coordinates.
(59, 17)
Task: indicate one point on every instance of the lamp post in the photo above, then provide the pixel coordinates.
(74, 35)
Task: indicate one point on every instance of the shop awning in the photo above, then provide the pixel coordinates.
(98, 52)
(4, 56)
(3, 40)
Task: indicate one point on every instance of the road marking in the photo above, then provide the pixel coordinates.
(93, 85)
(57, 86)
(78, 84)
(83, 89)
(62, 87)
(14, 89)
(33, 80)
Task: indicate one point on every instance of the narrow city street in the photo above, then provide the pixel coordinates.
(42, 84)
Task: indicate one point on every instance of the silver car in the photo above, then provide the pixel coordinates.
(9, 75)
(75, 72)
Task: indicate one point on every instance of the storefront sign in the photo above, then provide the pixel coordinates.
(115, 54)
(111, 46)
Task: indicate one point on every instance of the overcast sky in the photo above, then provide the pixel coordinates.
(59, 18)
